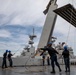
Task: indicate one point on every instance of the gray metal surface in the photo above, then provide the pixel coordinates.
(36, 70)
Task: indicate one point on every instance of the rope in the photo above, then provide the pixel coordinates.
(27, 62)
(70, 25)
(74, 38)
(17, 51)
(68, 34)
(8, 46)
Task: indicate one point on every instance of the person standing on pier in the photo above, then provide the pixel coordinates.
(4, 63)
(10, 59)
(48, 60)
(43, 54)
(66, 54)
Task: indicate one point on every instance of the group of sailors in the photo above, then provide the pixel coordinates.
(7, 55)
(52, 52)
(53, 56)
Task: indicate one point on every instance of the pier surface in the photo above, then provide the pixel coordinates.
(36, 70)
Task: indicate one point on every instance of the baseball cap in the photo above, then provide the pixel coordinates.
(65, 47)
(9, 51)
(6, 50)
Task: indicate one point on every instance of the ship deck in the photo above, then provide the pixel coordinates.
(36, 70)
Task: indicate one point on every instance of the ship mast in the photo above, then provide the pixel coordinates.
(31, 42)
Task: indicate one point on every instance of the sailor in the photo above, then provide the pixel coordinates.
(48, 60)
(10, 59)
(65, 54)
(52, 52)
(43, 54)
(4, 63)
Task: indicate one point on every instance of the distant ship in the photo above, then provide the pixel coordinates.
(25, 58)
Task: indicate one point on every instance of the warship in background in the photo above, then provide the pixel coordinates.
(25, 57)
(46, 36)
(27, 48)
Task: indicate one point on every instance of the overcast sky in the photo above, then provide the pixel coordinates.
(18, 17)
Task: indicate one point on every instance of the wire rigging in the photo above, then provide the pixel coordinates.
(70, 24)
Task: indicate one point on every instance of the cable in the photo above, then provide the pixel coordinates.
(74, 38)
(17, 51)
(28, 60)
(69, 26)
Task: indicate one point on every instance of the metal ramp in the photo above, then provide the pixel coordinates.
(68, 12)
